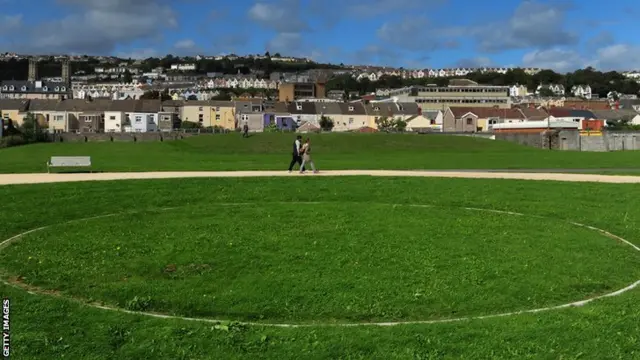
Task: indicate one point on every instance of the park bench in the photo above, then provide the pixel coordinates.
(68, 161)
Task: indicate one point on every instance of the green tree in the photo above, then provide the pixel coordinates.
(546, 92)
(127, 77)
(190, 125)
(326, 123)
(385, 123)
(400, 125)
(31, 130)
(222, 97)
(156, 95)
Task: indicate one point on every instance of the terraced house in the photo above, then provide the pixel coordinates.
(197, 111)
(13, 110)
(391, 110)
(223, 114)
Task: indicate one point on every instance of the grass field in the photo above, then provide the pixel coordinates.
(353, 256)
(271, 151)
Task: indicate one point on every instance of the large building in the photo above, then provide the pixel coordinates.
(33, 88)
(291, 91)
(459, 93)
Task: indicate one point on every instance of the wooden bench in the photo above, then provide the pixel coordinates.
(69, 161)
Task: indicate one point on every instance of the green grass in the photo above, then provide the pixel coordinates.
(419, 264)
(267, 151)
(50, 327)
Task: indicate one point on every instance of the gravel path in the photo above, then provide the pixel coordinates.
(11, 179)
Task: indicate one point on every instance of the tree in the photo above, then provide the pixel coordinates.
(384, 123)
(127, 77)
(546, 92)
(222, 97)
(326, 123)
(156, 95)
(31, 130)
(400, 125)
(190, 125)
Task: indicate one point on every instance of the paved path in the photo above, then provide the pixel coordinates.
(11, 179)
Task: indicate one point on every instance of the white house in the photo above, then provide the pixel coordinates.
(143, 121)
(114, 121)
(420, 122)
(583, 91)
(518, 91)
(435, 116)
(556, 89)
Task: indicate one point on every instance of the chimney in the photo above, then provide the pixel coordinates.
(33, 70)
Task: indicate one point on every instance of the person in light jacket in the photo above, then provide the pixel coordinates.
(306, 157)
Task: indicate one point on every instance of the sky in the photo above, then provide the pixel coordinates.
(560, 35)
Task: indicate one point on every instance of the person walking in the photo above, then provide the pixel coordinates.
(306, 157)
(296, 158)
(245, 131)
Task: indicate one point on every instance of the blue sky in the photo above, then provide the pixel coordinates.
(562, 35)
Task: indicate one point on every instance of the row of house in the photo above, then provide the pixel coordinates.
(433, 73)
(103, 115)
(482, 119)
(240, 82)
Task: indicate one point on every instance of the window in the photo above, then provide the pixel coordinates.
(200, 118)
(217, 117)
(112, 117)
(58, 118)
(245, 117)
(350, 108)
(376, 109)
(11, 88)
(87, 119)
(150, 119)
(138, 118)
(350, 121)
(24, 88)
(5, 88)
(44, 88)
(217, 108)
(62, 89)
(200, 108)
(57, 88)
(469, 121)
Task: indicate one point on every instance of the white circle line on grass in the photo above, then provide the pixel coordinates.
(38, 291)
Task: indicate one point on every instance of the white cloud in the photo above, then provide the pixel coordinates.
(285, 43)
(533, 24)
(612, 57)
(186, 44)
(10, 22)
(417, 33)
(476, 62)
(561, 60)
(618, 56)
(138, 54)
(283, 16)
(369, 8)
(97, 26)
